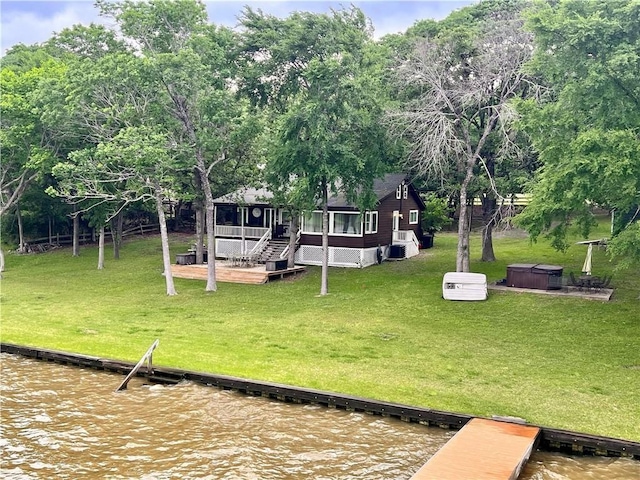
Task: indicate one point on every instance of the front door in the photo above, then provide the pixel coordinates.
(269, 215)
(396, 220)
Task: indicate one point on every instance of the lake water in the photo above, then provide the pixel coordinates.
(60, 422)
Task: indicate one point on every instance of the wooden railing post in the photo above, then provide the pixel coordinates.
(147, 356)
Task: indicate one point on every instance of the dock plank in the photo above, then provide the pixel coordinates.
(482, 450)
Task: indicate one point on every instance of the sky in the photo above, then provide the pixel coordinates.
(29, 22)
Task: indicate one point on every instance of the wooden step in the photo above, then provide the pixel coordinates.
(482, 450)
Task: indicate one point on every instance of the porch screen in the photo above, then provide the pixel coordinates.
(312, 222)
(347, 223)
(225, 215)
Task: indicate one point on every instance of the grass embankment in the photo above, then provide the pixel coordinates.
(383, 332)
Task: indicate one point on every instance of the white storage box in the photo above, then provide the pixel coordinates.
(464, 286)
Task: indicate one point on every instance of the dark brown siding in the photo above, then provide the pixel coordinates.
(385, 213)
(351, 242)
(385, 224)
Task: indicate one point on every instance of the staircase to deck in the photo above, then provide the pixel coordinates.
(274, 248)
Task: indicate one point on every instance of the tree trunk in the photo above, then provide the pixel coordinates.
(324, 283)
(293, 235)
(211, 243)
(488, 254)
(177, 217)
(199, 207)
(116, 233)
(101, 249)
(203, 177)
(21, 244)
(1, 261)
(489, 213)
(164, 237)
(76, 235)
(488, 217)
(199, 227)
(211, 239)
(462, 253)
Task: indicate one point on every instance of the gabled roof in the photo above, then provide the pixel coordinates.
(382, 188)
(247, 196)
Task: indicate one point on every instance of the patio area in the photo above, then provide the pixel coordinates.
(603, 295)
(226, 271)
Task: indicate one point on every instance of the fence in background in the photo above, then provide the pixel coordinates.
(43, 244)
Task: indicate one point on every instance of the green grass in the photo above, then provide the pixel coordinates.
(383, 332)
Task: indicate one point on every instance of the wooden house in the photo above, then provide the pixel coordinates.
(248, 224)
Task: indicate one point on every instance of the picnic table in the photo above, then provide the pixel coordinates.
(592, 282)
(585, 281)
(242, 260)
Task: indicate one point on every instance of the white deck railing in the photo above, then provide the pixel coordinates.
(262, 243)
(235, 231)
(408, 238)
(285, 252)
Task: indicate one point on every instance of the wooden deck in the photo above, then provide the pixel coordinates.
(225, 273)
(482, 450)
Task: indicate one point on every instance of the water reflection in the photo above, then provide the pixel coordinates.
(67, 423)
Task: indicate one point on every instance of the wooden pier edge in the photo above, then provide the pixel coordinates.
(483, 450)
(550, 439)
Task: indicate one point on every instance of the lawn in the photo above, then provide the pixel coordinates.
(383, 332)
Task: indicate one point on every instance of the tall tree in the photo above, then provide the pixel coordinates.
(25, 142)
(587, 129)
(311, 71)
(458, 90)
(135, 165)
(85, 42)
(99, 96)
(190, 63)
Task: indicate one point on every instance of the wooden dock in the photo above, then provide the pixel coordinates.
(256, 274)
(482, 450)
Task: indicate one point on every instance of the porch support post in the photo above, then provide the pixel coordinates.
(243, 247)
(215, 218)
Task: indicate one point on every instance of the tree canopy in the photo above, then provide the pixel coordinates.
(299, 101)
(586, 129)
(457, 114)
(310, 71)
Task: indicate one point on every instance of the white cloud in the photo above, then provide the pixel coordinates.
(32, 22)
(29, 27)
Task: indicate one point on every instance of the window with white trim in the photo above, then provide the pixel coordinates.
(371, 222)
(312, 222)
(345, 223)
(413, 217)
(340, 223)
(405, 191)
(399, 192)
